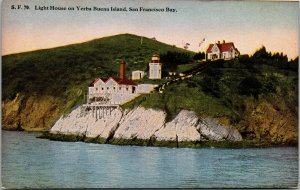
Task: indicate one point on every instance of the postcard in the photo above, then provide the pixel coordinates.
(149, 94)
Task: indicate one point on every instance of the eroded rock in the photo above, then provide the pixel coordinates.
(211, 129)
(183, 125)
(142, 123)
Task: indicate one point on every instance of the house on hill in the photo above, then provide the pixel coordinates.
(112, 90)
(224, 50)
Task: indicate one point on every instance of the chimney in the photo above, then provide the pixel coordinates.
(122, 70)
(223, 41)
(218, 42)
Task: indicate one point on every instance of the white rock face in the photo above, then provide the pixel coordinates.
(212, 130)
(106, 125)
(143, 123)
(78, 123)
(184, 126)
(140, 123)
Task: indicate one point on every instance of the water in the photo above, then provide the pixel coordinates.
(39, 163)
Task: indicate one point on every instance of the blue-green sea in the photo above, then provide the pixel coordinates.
(29, 162)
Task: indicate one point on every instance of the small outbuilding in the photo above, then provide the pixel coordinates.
(137, 75)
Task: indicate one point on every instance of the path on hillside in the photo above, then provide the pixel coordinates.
(186, 75)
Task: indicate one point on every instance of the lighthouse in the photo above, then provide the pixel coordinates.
(155, 67)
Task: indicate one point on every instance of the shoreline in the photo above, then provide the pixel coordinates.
(171, 144)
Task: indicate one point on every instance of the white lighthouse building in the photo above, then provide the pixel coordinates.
(155, 67)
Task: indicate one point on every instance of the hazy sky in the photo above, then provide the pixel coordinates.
(248, 24)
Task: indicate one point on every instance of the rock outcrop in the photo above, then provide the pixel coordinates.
(270, 124)
(182, 127)
(145, 124)
(80, 122)
(211, 129)
(30, 113)
(140, 123)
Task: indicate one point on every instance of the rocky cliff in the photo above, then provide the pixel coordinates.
(30, 113)
(144, 124)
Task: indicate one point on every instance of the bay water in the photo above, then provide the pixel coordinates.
(30, 162)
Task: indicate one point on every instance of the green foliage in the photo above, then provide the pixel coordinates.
(250, 86)
(171, 60)
(188, 95)
(199, 56)
(185, 67)
(261, 53)
(262, 56)
(135, 102)
(210, 82)
(227, 88)
(55, 71)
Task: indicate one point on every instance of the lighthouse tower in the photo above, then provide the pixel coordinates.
(155, 67)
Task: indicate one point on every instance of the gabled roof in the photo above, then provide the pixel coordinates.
(226, 46)
(223, 47)
(209, 48)
(117, 80)
(94, 82)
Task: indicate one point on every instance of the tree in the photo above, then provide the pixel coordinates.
(199, 56)
(171, 60)
(250, 86)
(261, 53)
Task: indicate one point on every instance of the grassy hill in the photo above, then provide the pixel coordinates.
(257, 94)
(76, 65)
(56, 79)
(258, 98)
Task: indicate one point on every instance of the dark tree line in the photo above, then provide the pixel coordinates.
(199, 56)
(171, 60)
(262, 56)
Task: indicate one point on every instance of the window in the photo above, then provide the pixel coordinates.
(127, 89)
(120, 88)
(102, 88)
(96, 88)
(107, 88)
(215, 49)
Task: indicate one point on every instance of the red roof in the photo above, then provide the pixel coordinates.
(118, 80)
(209, 48)
(127, 82)
(155, 61)
(94, 81)
(223, 47)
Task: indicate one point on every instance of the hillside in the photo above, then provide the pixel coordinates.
(258, 95)
(41, 85)
(258, 98)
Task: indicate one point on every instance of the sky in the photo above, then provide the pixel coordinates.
(248, 24)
